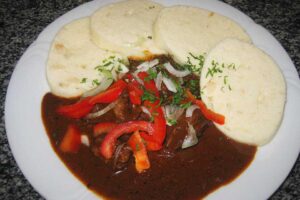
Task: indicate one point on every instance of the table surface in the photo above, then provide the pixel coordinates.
(21, 22)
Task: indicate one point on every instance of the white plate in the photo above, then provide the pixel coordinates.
(48, 175)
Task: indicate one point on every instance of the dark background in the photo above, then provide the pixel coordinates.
(21, 22)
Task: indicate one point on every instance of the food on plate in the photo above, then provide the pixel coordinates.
(126, 27)
(72, 60)
(133, 121)
(181, 30)
(244, 84)
(147, 136)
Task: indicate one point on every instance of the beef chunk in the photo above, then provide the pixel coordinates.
(124, 110)
(121, 156)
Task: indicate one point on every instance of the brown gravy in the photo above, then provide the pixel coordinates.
(188, 174)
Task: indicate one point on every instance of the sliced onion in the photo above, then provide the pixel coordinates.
(145, 66)
(102, 112)
(85, 140)
(190, 139)
(190, 110)
(172, 112)
(169, 84)
(176, 72)
(159, 80)
(117, 154)
(145, 110)
(154, 62)
(105, 83)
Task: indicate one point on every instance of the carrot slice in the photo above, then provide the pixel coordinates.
(71, 141)
(139, 151)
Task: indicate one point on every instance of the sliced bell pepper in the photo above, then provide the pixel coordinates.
(151, 144)
(139, 152)
(103, 127)
(209, 114)
(83, 107)
(108, 145)
(155, 141)
(77, 110)
(71, 140)
(135, 92)
(129, 77)
(110, 95)
(159, 121)
(149, 84)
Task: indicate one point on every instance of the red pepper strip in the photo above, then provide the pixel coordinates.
(159, 121)
(139, 151)
(154, 142)
(149, 84)
(77, 110)
(107, 147)
(83, 107)
(150, 144)
(71, 141)
(135, 93)
(209, 114)
(129, 77)
(110, 95)
(104, 127)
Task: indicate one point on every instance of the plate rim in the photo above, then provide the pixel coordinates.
(69, 15)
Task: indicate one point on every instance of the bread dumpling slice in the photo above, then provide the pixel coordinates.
(244, 84)
(72, 60)
(126, 27)
(181, 30)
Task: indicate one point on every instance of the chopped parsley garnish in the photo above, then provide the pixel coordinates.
(148, 96)
(225, 79)
(186, 105)
(151, 7)
(83, 80)
(217, 68)
(171, 121)
(107, 63)
(193, 86)
(165, 74)
(119, 69)
(179, 95)
(232, 66)
(151, 75)
(214, 69)
(111, 62)
(149, 37)
(195, 67)
(95, 82)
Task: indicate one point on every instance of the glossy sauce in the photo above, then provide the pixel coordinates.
(181, 174)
